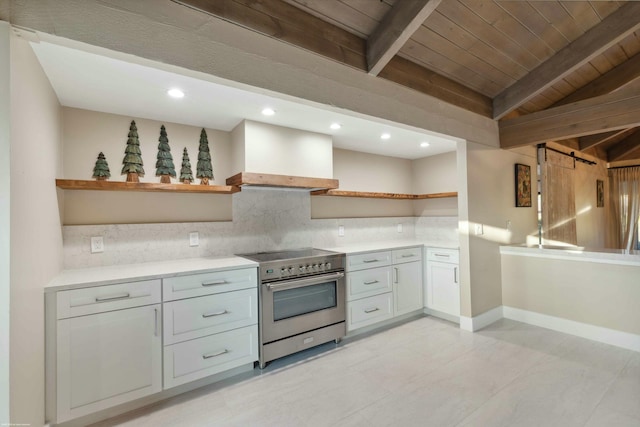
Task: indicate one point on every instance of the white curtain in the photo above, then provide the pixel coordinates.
(625, 205)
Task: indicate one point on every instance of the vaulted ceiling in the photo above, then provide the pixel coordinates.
(563, 71)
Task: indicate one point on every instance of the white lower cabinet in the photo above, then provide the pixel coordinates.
(382, 285)
(107, 358)
(191, 360)
(213, 332)
(104, 344)
(443, 287)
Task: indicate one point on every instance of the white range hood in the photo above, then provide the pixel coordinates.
(276, 156)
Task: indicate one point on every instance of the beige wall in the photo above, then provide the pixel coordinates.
(490, 189)
(358, 171)
(5, 218)
(36, 237)
(435, 174)
(591, 221)
(86, 133)
(603, 295)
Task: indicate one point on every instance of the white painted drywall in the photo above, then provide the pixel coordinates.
(36, 235)
(280, 150)
(5, 218)
(435, 174)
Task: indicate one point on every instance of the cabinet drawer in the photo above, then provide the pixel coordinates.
(365, 283)
(211, 314)
(368, 311)
(196, 285)
(98, 299)
(407, 255)
(443, 255)
(368, 260)
(191, 360)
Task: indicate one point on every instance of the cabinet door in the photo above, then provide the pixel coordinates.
(407, 287)
(443, 288)
(106, 359)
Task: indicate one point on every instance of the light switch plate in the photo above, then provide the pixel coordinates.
(479, 230)
(97, 244)
(194, 239)
(341, 230)
(399, 228)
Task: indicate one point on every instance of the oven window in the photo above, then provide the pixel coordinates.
(307, 299)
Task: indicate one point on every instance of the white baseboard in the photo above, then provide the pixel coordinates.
(476, 323)
(584, 330)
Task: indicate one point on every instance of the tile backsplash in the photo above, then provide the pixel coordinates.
(263, 220)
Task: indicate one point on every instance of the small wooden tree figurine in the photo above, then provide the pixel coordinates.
(204, 170)
(133, 156)
(164, 163)
(186, 175)
(101, 169)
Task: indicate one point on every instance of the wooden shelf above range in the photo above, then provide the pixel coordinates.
(285, 181)
(78, 184)
(370, 195)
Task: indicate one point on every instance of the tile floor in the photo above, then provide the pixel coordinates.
(425, 372)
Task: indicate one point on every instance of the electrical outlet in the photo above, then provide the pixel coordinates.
(399, 228)
(479, 230)
(341, 230)
(194, 239)
(97, 244)
(508, 225)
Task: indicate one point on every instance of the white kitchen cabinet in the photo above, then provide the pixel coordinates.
(109, 357)
(382, 285)
(210, 324)
(407, 287)
(442, 294)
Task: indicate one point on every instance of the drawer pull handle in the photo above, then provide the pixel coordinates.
(442, 255)
(371, 310)
(370, 260)
(371, 282)
(113, 297)
(217, 353)
(408, 255)
(215, 313)
(215, 282)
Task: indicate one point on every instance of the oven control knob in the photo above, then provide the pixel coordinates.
(302, 269)
(283, 271)
(309, 268)
(315, 267)
(321, 266)
(327, 266)
(290, 270)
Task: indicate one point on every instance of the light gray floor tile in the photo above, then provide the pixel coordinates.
(425, 372)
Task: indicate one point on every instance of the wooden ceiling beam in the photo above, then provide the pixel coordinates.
(617, 110)
(397, 26)
(611, 30)
(591, 141)
(624, 148)
(615, 79)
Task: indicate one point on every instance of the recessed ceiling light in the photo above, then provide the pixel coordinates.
(385, 136)
(175, 93)
(268, 111)
(335, 126)
(424, 144)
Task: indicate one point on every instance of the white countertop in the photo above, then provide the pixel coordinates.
(96, 276)
(383, 245)
(599, 255)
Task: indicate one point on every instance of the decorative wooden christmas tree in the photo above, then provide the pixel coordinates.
(204, 170)
(164, 163)
(101, 169)
(186, 175)
(133, 156)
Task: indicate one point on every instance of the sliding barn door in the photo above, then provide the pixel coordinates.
(558, 198)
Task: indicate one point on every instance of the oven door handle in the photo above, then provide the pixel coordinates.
(291, 284)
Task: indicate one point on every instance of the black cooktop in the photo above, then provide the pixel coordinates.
(287, 254)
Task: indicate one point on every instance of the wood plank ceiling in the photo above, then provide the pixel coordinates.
(563, 71)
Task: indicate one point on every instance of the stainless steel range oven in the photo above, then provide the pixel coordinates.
(302, 300)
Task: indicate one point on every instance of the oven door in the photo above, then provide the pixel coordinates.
(292, 307)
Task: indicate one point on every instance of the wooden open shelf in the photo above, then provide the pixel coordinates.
(369, 195)
(78, 184)
(287, 181)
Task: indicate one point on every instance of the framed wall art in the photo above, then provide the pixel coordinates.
(523, 186)
(599, 193)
